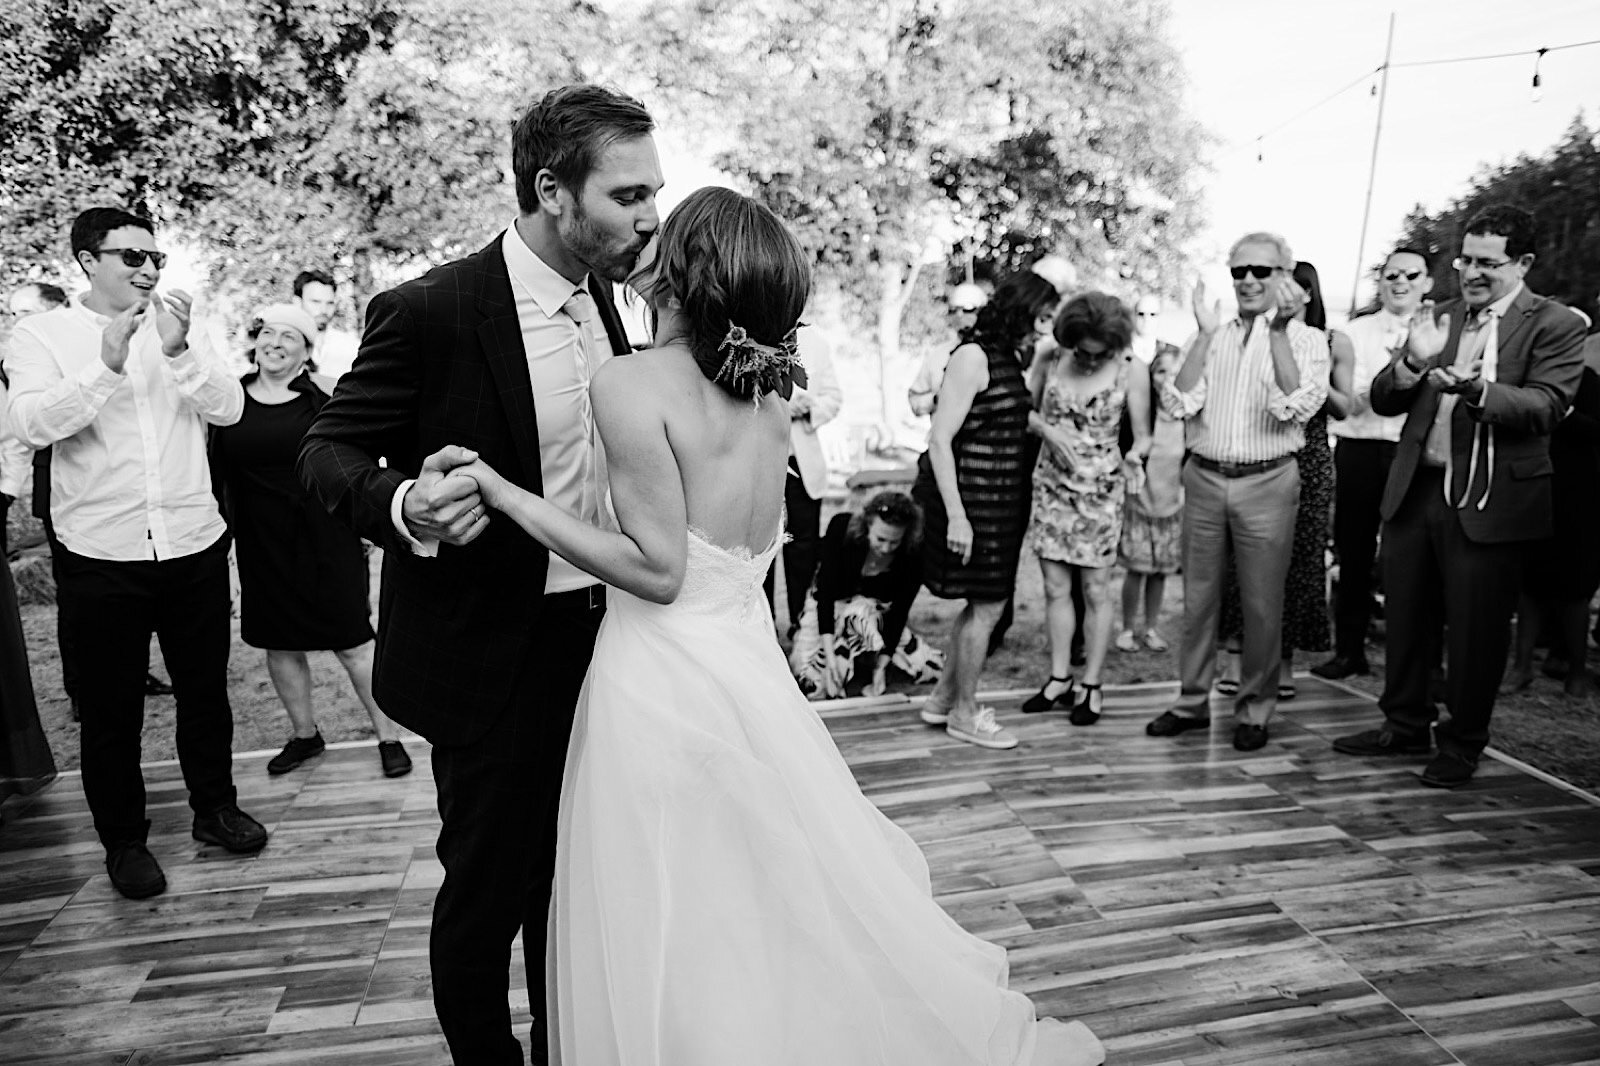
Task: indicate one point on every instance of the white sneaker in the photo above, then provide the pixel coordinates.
(1125, 641)
(1155, 641)
(934, 716)
(984, 731)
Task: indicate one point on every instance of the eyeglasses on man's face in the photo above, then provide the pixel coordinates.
(134, 258)
(1396, 275)
(1255, 270)
(1477, 262)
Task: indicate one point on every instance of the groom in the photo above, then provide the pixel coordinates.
(484, 637)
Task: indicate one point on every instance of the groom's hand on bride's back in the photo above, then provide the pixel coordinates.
(444, 508)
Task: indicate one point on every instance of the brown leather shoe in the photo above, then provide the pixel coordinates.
(1170, 725)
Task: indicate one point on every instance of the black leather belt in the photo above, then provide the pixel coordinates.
(588, 598)
(1240, 469)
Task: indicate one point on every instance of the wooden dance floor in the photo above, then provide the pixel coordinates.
(1192, 904)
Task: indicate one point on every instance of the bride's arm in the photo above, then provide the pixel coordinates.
(647, 557)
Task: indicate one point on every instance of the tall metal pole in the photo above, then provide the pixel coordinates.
(1372, 171)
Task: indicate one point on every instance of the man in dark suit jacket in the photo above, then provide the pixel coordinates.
(484, 637)
(1481, 386)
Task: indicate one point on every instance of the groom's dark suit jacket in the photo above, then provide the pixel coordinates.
(442, 362)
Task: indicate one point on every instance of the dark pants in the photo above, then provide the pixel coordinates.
(498, 799)
(115, 607)
(1361, 469)
(804, 527)
(1434, 577)
(64, 609)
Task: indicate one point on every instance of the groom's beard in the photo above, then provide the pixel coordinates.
(609, 259)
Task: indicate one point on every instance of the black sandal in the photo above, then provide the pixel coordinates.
(1039, 702)
(1087, 710)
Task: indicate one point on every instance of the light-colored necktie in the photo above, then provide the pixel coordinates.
(580, 308)
(1485, 346)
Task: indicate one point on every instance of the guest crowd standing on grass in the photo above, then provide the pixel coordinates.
(116, 384)
(303, 579)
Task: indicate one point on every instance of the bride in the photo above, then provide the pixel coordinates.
(724, 893)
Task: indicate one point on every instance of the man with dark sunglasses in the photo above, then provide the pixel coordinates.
(1245, 390)
(117, 384)
(1362, 457)
(1481, 386)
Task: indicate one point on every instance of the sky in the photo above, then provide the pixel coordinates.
(1254, 65)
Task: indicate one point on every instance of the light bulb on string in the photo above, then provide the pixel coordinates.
(1538, 90)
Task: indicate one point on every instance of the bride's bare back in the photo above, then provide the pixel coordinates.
(727, 456)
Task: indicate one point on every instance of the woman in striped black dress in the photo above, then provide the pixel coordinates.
(973, 486)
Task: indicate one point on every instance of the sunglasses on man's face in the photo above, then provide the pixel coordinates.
(133, 258)
(957, 309)
(1255, 270)
(1396, 275)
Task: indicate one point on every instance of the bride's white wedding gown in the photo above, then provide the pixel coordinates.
(724, 893)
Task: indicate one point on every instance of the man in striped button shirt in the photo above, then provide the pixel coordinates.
(1245, 390)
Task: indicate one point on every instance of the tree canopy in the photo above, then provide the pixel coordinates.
(1560, 188)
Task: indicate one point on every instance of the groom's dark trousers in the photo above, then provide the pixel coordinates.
(471, 653)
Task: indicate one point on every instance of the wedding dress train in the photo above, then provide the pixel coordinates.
(725, 895)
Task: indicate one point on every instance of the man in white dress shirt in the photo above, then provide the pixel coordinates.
(112, 381)
(1245, 390)
(809, 408)
(1364, 454)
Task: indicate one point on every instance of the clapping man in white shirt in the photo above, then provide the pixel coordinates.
(112, 381)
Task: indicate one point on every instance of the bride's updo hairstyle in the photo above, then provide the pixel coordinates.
(741, 280)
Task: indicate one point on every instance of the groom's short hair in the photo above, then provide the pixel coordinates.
(564, 133)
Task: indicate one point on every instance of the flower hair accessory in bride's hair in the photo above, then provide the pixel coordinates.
(749, 365)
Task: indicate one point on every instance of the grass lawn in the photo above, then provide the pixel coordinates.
(1539, 726)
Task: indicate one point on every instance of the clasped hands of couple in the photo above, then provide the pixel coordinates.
(452, 496)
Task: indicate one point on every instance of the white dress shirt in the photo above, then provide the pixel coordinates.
(129, 479)
(822, 387)
(1374, 338)
(562, 359)
(16, 458)
(1236, 413)
(335, 351)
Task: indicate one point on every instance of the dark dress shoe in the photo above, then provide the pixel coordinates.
(1247, 737)
(231, 828)
(396, 763)
(134, 872)
(1448, 769)
(1170, 725)
(1340, 667)
(154, 686)
(297, 751)
(1382, 741)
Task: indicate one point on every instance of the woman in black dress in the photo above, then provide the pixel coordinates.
(973, 487)
(302, 576)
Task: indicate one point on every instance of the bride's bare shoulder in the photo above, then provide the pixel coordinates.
(642, 376)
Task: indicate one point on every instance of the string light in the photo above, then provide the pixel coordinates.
(1538, 80)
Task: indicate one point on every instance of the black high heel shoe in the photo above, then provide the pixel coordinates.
(1038, 703)
(1087, 710)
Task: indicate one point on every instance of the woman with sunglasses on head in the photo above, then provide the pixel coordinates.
(1079, 395)
(303, 579)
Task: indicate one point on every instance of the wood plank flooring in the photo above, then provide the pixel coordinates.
(1195, 906)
